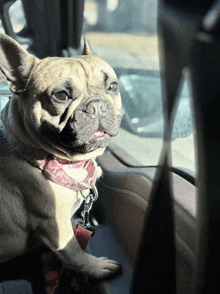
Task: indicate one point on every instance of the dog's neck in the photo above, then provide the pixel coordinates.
(17, 135)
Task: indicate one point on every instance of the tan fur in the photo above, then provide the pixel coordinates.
(33, 208)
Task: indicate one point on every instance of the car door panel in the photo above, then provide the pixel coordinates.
(124, 194)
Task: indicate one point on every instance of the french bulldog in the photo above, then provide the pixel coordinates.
(61, 116)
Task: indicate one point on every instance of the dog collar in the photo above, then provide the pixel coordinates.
(62, 172)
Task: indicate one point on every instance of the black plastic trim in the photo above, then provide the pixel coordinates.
(185, 173)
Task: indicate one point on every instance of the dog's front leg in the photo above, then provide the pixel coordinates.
(61, 240)
(73, 257)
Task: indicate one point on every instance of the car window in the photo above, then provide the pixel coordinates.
(4, 92)
(183, 134)
(17, 16)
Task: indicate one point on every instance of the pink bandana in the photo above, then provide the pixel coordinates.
(56, 170)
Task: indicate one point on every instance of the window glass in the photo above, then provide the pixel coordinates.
(4, 91)
(183, 134)
(17, 18)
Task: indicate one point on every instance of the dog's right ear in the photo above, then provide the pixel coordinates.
(16, 63)
(87, 50)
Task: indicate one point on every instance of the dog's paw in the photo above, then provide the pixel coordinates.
(102, 268)
(108, 267)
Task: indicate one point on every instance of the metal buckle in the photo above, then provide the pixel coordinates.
(93, 191)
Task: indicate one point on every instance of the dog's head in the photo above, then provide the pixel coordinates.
(73, 104)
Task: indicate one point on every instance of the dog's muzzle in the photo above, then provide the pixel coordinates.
(92, 116)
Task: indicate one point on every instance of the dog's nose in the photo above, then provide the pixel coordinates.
(98, 108)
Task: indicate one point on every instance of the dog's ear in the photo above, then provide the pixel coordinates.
(16, 63)
(87, 50)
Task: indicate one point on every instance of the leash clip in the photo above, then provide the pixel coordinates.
(92, 192)
(88, 202)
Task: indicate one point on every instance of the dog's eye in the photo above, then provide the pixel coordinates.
(62, 95)
(113, 87)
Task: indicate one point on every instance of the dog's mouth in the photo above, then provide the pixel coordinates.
(99, 139)
(98, 134)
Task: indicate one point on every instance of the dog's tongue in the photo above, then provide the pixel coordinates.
(98, 134)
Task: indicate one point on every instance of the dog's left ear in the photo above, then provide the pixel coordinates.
(16, 63)
(87, 50)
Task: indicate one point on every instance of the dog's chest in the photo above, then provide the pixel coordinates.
(66, 201)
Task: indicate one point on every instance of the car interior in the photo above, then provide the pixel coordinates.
(158, 211)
